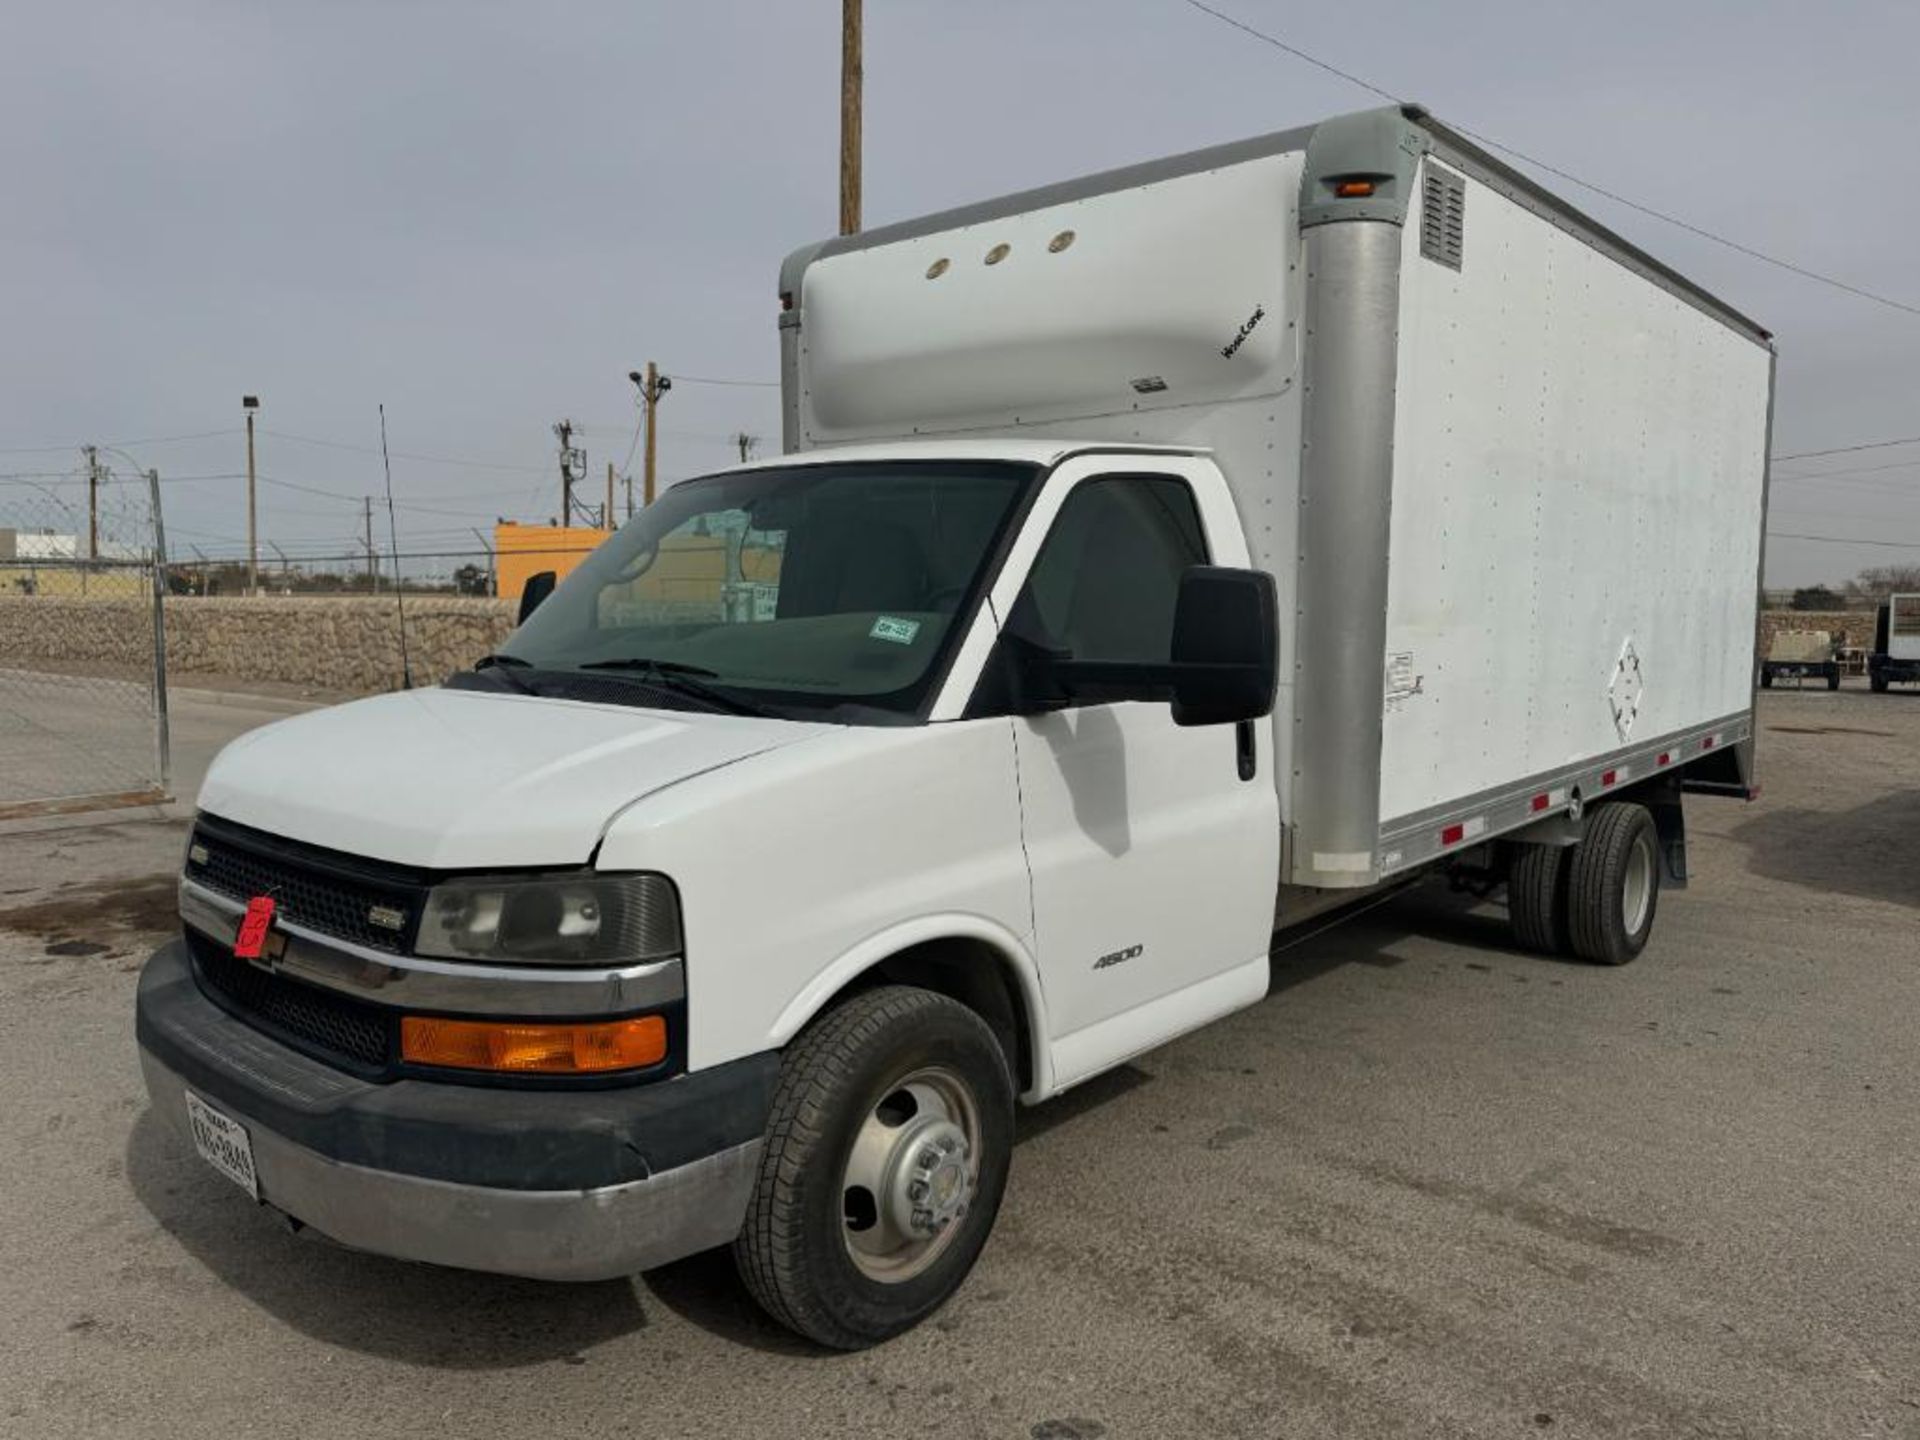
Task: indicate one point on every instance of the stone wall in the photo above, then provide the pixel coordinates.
(336, 643)
(352, 644)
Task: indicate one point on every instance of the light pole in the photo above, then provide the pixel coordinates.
(251, 403)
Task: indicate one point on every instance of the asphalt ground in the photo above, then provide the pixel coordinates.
(1430, 1187)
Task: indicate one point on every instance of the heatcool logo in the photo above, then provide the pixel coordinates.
(1259, 314)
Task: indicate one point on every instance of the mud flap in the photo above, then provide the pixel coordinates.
(1670, 824)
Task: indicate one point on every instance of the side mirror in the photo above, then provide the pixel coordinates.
(537, 588)
(1226, 646)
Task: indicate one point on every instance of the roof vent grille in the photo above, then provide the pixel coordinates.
(1443, 216)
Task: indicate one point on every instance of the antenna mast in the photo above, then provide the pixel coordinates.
(393, 544)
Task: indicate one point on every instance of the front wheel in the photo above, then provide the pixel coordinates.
(1833, 679)
(1613, 884)
(886, 1157)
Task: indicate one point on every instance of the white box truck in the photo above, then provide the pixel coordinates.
(1157, 559)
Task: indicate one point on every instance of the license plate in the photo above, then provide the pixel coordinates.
(222, 1143)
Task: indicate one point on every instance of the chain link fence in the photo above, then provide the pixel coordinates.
(83, 713)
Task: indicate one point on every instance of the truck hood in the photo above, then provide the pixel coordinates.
(452, 779)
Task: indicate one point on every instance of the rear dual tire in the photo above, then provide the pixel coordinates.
(1596, 899)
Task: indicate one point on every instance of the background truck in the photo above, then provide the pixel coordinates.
(1796, 654)
(1158, 559)
(1895, 657)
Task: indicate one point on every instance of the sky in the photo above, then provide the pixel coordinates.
(483, 215)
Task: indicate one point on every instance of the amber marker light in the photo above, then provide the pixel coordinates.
(1353, 189)
(516, 1049)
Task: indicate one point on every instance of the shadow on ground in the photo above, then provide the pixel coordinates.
(418, 1314)
(1867, 851)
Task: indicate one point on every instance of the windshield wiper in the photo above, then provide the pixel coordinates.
(658, 667)
(506, 665)
(685, 679)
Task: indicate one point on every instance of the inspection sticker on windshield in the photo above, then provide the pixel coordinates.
(889, 627)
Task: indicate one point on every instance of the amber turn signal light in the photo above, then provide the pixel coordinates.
(1353, 189)
(534, 1049)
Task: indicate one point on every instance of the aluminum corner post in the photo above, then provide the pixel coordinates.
(1351, 320)
(793, 272)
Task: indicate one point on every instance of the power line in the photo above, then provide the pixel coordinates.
(1850, 449)
(1554, 170)
(1844, 540)
(403, 454)
(680, 379)
(150, 440)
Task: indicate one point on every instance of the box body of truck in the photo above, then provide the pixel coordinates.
(1507, 471)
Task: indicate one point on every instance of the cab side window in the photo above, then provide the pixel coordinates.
(1104, 584)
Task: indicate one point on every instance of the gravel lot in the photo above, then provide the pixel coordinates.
(1430, 1187)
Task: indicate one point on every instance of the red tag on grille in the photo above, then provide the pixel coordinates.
(253, 928)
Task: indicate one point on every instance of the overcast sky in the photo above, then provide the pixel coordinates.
(485, 214)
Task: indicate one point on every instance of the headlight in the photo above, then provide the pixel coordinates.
(553, 919)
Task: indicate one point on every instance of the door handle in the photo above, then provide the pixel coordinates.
(1243, 749)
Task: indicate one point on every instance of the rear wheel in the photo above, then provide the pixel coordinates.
(1613, 884)
(1833, 677)
(1879, 684)
(886, 1157)
(1537, 898)
(1766, 680)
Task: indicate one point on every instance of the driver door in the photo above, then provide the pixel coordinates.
(1153, 862)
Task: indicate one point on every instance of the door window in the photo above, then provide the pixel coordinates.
(1105, 581)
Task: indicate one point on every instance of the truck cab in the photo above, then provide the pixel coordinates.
(919, 725)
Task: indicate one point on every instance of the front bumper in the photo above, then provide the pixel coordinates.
(548, 1184)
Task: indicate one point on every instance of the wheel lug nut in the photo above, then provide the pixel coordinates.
(927, 1158)
(917, 1190)
(923, 1219)
(947, 1144)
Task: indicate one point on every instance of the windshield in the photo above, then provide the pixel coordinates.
(808, 589)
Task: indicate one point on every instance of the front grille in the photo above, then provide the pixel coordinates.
(333, 894)
(341, 1028)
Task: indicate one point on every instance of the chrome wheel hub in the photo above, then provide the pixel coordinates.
(1636, 890)
(911, 1174)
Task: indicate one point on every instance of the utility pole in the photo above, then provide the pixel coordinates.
(652, 386)
(251, 403)
(373, 580)
(850, 77)
(606, 515)
(573, 466)
(93, 502)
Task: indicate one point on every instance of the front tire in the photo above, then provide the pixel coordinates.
(886, 1157)
(1833, 679)
(1613, 884)
(1766, 680)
